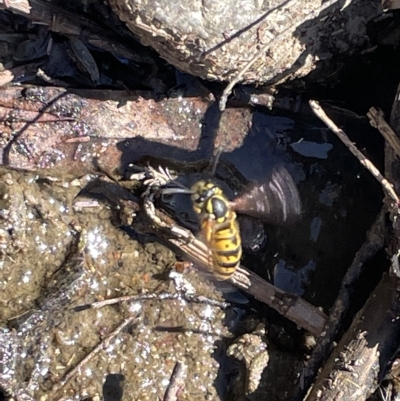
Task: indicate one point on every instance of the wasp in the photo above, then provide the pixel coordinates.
(219, 227)
(274, 201)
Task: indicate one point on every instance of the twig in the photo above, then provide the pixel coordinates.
(291, 306)
(374, 242)
(159, 296)
(176, 382)
(377, 120)
(369, 341)
(126, 298)
(227, 91)
(184, 242)
(103, 344)
(60, 20)
(16, 6)
(387, 186)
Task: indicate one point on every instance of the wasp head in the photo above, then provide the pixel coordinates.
(209, 199)
(204, 190)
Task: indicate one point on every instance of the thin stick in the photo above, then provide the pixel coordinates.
(126, 298)
(377, 120)
(387, 186)
(291, 306)
(103, 344)
(373, 243)
(159, 296)
(176, 382)
(227, 91)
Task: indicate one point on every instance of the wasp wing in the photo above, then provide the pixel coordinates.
(205, 235)
(276, 200)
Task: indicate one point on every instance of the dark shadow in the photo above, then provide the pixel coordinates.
(18, 134)
(136, 148)
(113, 387)
(230, 381)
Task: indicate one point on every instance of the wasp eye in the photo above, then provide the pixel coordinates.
(195, 197)
(202, 197)
(220, 208)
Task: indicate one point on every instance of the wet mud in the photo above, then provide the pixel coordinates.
(56, 256)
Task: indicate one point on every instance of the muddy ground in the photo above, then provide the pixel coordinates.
(64, 244)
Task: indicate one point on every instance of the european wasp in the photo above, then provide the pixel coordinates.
(219, 227)
(276, 201)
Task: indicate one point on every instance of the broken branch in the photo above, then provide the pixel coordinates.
(387, 186)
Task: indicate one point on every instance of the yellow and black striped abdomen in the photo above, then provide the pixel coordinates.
(219, 228)
(226, 248)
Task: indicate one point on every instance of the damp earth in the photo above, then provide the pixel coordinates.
(62, 248)
(72, 239)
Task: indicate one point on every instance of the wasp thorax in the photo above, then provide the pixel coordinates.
(219, 207)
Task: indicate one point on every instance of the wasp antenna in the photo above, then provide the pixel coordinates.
(215, 161)
(175, 190)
